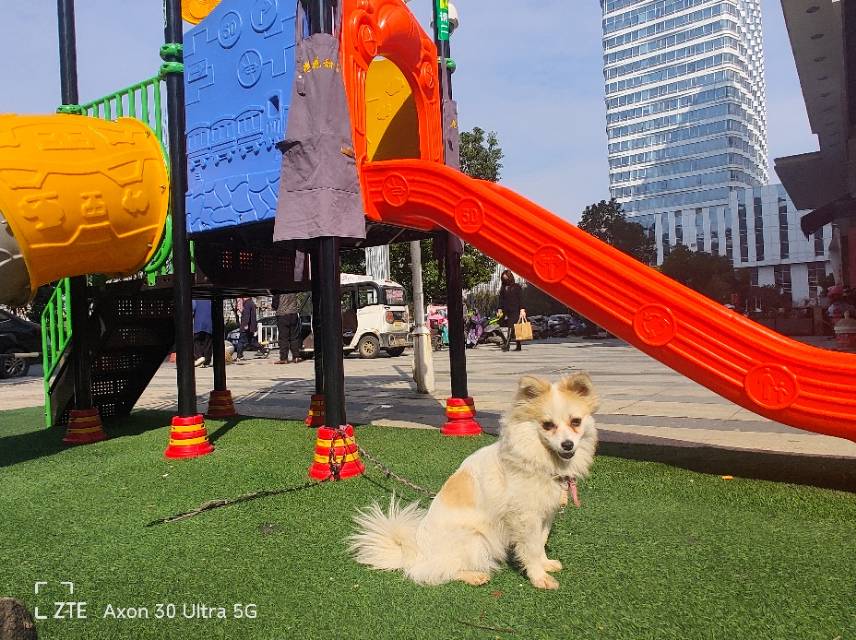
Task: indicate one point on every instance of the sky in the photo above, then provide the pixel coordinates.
(531, 70)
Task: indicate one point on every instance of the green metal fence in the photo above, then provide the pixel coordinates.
(56, 334)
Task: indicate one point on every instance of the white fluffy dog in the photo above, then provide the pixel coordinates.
(502, 498)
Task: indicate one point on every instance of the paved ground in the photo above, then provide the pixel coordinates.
(640, 397)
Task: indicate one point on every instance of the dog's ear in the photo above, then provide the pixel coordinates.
(531, 387)
(579, 384)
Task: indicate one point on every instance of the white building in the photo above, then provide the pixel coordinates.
(685, 103)
(759, 229)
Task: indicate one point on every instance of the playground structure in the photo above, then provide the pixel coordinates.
(234, 120)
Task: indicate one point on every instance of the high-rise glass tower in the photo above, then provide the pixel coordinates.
(685, 109)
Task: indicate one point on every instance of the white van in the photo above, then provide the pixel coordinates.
(375, 317)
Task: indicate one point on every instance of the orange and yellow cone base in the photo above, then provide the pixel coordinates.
(84, 427)
(336, 454)
(461, 414)
(315, 417)
(220, 404)
(188, 438)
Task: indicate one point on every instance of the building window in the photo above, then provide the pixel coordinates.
(664, 236)
(816, 276)
(729, 235)
(679, 228)
(753, 276)
(714, 231)
(759, 230)
(782, 273)
(743, 230)
(699, 230)
(784, 241)
(818, 243)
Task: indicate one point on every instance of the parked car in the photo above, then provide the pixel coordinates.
(18, 336)
(559, 325)
(539, 326)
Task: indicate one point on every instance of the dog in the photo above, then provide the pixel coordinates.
(503, 498)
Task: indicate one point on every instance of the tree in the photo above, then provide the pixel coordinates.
(711, 275)
(608, 222)
(481, 157)
(480, 160)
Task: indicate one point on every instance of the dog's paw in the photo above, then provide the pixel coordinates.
(552, 565)
(475, 578)
(545, 582)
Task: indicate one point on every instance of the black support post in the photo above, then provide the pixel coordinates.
(317, 315)
(182, 282)
(455, 306)
(454, 290)
(80, 352)
(218, 336)
(331, 328)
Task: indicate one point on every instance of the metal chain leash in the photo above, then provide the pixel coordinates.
(389, 473)
(335, 470)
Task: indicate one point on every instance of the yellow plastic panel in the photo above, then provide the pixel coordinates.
(82, 195)
(195, 11)
(392, 124)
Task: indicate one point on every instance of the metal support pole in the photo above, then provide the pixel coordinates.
(218, 335)
(80, 351)
(182, 282)
(331, 327)
(454, 290)
(317, 315)
(423, 360)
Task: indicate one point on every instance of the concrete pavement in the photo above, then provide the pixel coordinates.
(640, 398)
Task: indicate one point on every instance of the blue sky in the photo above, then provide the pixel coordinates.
(528, 69)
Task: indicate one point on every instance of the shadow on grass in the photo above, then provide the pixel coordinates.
(817, 471)
(42, 442)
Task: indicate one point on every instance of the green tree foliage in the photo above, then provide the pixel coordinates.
(712, 275)
(608, 222)
(481, 157)
(476, 268)
(353, 260)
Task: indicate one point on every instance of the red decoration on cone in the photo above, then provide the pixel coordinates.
(221, 405)
(188, 438)
(84, 427)
(461, 413)
(336, 454)
(315, 417)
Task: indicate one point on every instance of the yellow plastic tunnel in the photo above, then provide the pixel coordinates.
(78, 195)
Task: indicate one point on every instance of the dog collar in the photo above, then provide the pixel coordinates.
(570, 485)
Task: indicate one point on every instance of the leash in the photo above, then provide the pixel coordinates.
(335, 469)
(570, 487)
(389, 473)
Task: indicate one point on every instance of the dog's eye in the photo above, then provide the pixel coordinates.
(575, 422)
(549, 425)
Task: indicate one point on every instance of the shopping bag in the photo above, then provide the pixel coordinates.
(523, 331)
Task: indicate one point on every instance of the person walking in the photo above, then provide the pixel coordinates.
(287, 308)
(203, 332)
(249, 324)
(511, 306)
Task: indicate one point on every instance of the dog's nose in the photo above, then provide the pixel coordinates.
(568, 445)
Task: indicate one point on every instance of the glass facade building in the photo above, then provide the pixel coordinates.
(686, 112)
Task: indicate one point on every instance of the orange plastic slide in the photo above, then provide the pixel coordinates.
(747, 363)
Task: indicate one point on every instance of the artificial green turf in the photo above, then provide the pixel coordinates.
(655, 552)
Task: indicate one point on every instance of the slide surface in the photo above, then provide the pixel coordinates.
(769, 374)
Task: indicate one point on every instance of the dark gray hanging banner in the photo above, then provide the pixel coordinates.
(319, 192)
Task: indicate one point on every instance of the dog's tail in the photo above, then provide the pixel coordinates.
(386, 541)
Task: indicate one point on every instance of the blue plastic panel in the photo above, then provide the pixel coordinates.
(239, 68)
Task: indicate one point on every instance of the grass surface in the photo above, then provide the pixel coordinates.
(655, 552)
